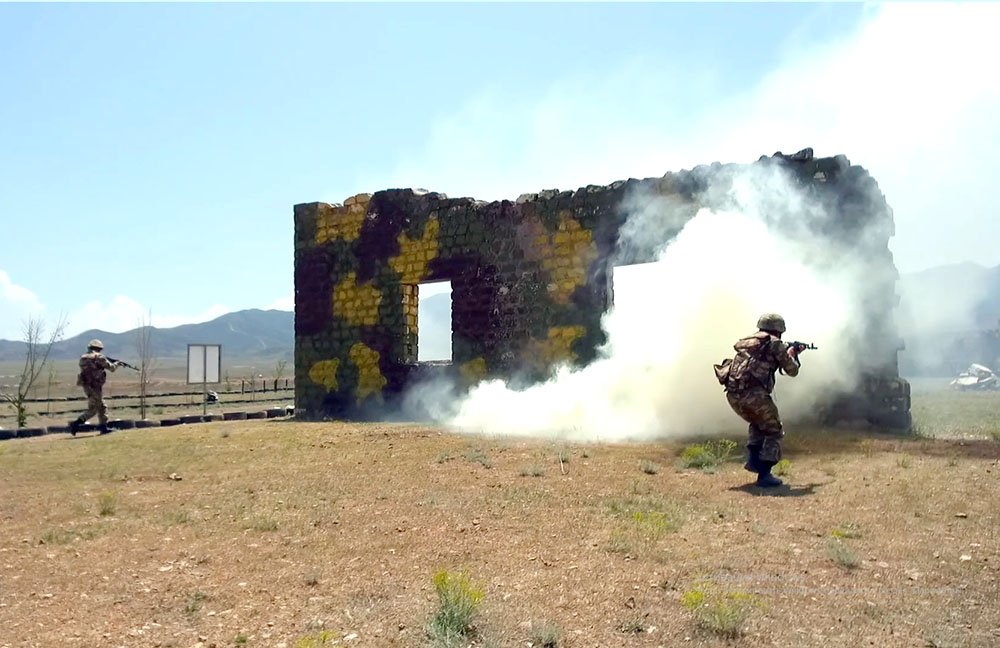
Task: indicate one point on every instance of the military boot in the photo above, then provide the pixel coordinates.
(74, 426)
(104, 429)
(764, 477)
(753, 459)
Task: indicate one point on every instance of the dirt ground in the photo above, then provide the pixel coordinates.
(282, 533)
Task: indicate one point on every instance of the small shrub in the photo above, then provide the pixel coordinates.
(649, 467)
(546, 635)
(316, 639)
(312, 579)
(841, 554)
(194, 602)
(634, 625)
(564, 456)
(533, 470)
(240, 640)
(782, 467)
(904, 461)
(846, 530)
(476, 455)
(443, 457)
(264, 523)
(59, 536)
(458, 600)
(709, 455)
(585, 453)
(722, 613)
(108, 503)
(178, 517)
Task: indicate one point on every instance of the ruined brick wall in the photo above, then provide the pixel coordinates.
(530, 282)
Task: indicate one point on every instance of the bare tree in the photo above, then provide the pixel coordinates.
(36, 355)
(279, 372)
(147, 364)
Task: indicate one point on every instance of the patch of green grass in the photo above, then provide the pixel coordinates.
(240, 640)
(476, 455)
(545, 635)
(846, 530)
(904, 461)
(723, 613)
(443, 457)
(316, 639)
(649, 467)
(59, 536)
(458, 600)
(175, 518)
(194, 602)
(842, 555)
(534, 470)
(263, 523)
(107, 503)
(708, 456)
(949, 413)
(783, 467)
(644, 521)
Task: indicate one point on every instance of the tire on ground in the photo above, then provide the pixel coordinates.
(234, 416)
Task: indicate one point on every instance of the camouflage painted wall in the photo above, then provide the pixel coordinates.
(530, 282)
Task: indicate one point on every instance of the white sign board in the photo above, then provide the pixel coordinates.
(204, 363)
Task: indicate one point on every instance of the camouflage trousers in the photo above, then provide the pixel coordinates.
(95, 405)
(756, 407)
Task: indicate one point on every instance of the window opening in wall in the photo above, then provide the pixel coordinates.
(434, 322)
(633, 285)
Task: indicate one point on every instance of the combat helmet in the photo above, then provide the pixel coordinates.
(771, 322)
(95, 344)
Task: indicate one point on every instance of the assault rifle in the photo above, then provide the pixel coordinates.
(122, 363)
(799, 348)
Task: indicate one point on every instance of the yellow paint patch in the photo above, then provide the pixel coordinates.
(415, 254)
(324, 373)
(473, 371)
(342, 222)
(568, 253)
(555, 348)
(358, 304)
(370, 378)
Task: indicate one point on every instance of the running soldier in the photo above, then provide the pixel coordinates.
(749, 381)
(93, 373)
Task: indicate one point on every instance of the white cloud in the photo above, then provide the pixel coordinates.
(283, 304)
(123, 313)
(911, 95)
(17, 304)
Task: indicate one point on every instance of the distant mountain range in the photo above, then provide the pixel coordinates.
(248, 334)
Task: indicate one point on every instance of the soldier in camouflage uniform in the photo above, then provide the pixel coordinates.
(749, 382)
(93, 373)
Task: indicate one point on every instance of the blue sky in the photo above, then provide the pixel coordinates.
(150, 155)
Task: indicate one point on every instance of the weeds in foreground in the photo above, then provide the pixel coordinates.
(644, 521)
(720, 612)
(649, 467)
(904, 461)
(476, 455)
(316, 639)
(841, 554)
(264, 523)
(545, 635)
(108, 503)
(782, 468)
(846, 530)
(240, 640)
(458, 600)
(634, 624)
(533, 470)
(194, 602)
(708, 456)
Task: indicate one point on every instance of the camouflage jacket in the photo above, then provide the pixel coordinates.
(757, 359)
(93, 370)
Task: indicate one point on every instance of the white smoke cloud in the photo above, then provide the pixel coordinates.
(17, 304)
(678, 316)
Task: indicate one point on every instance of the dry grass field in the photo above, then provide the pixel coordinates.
(289, 534)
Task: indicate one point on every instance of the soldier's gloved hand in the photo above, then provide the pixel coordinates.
(793, 351)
